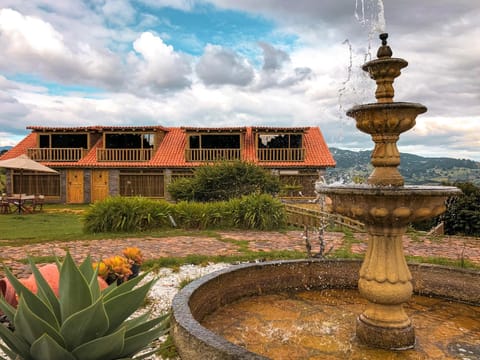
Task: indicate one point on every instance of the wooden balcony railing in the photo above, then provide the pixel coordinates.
(212, 154)
(124, 154)
(56, 154)
(280, 154)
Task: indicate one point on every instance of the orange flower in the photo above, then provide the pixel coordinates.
(133, 254)
(102, 269)
(118, 266)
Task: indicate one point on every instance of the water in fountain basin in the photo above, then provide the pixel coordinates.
(320, 325)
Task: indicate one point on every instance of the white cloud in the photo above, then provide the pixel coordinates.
(185, 5)
(220, 66)
(159, 67)
(35, 47)
(24, 34)
(273, 58)
(119, 12)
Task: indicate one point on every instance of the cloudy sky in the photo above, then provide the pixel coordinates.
(235, 63)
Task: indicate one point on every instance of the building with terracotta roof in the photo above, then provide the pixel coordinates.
(94, 162)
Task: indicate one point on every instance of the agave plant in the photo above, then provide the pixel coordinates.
(84, 322)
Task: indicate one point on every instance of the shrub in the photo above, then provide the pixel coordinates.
(126, 214)
(211, 215)
(84, 322)
(261, 212)
(224, 181)
(189, 215)
(182, 189)
(463, 212)
(256, 211)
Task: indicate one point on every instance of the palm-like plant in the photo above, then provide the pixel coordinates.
(84, 322)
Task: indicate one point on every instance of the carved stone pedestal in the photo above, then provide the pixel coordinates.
(385, 281)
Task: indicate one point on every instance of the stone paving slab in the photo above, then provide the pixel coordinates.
(181, 246)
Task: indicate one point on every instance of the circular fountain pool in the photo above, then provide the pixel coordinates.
(319, 324)
(197, 305)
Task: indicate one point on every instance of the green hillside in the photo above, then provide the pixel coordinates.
(417, 170)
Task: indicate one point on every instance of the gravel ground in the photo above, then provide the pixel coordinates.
(167, 286)
(162, 292)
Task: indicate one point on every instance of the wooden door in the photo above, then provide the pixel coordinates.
(99, 185)
(75, 187)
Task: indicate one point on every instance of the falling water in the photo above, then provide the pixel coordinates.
(371, 13)
(355, 89)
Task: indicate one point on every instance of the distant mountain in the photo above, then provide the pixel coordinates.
(4, 149)
(417, 170)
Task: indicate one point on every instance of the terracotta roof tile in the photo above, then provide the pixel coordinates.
(21, 148)
(214, 129)
(171, 152)
(98, 128)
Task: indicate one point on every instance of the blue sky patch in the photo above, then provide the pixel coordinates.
(55, 88)
(191, 31)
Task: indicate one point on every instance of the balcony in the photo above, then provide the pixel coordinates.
(56, 154)
(124, 155)
(281, 154)
(212, 154)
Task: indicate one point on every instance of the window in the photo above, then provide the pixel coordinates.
(65, 141)
(279, 141)
(36, 184)
(214, 141)
(129, 141)
(194, 142)
(280, 147)
(149, 184)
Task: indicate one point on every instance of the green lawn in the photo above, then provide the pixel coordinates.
(54, 223)
(40, 227)
(64, 223)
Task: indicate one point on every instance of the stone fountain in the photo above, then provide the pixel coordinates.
(384, 279)
(386, 207)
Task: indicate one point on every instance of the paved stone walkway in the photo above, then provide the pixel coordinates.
(453, 248)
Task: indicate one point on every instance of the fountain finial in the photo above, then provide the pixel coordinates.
(384, 51)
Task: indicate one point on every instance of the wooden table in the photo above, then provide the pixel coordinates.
(22, 203)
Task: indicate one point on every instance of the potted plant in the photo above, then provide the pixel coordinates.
(135, 259)
(120, 268)
(114, 269)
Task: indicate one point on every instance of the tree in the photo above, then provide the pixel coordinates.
(223, 181)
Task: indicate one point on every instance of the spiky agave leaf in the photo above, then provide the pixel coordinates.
(91, 276)
(47, 348)
(74, 291)
(85, 325)
(108, 347)
(94, 327)
(120, 307)
(31, 326)
(152, 330)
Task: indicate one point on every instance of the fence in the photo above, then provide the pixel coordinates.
(300, 216)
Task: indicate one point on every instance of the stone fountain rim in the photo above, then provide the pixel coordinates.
(384, 60)
(400, 191)
(185, 326)
(386, 106)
